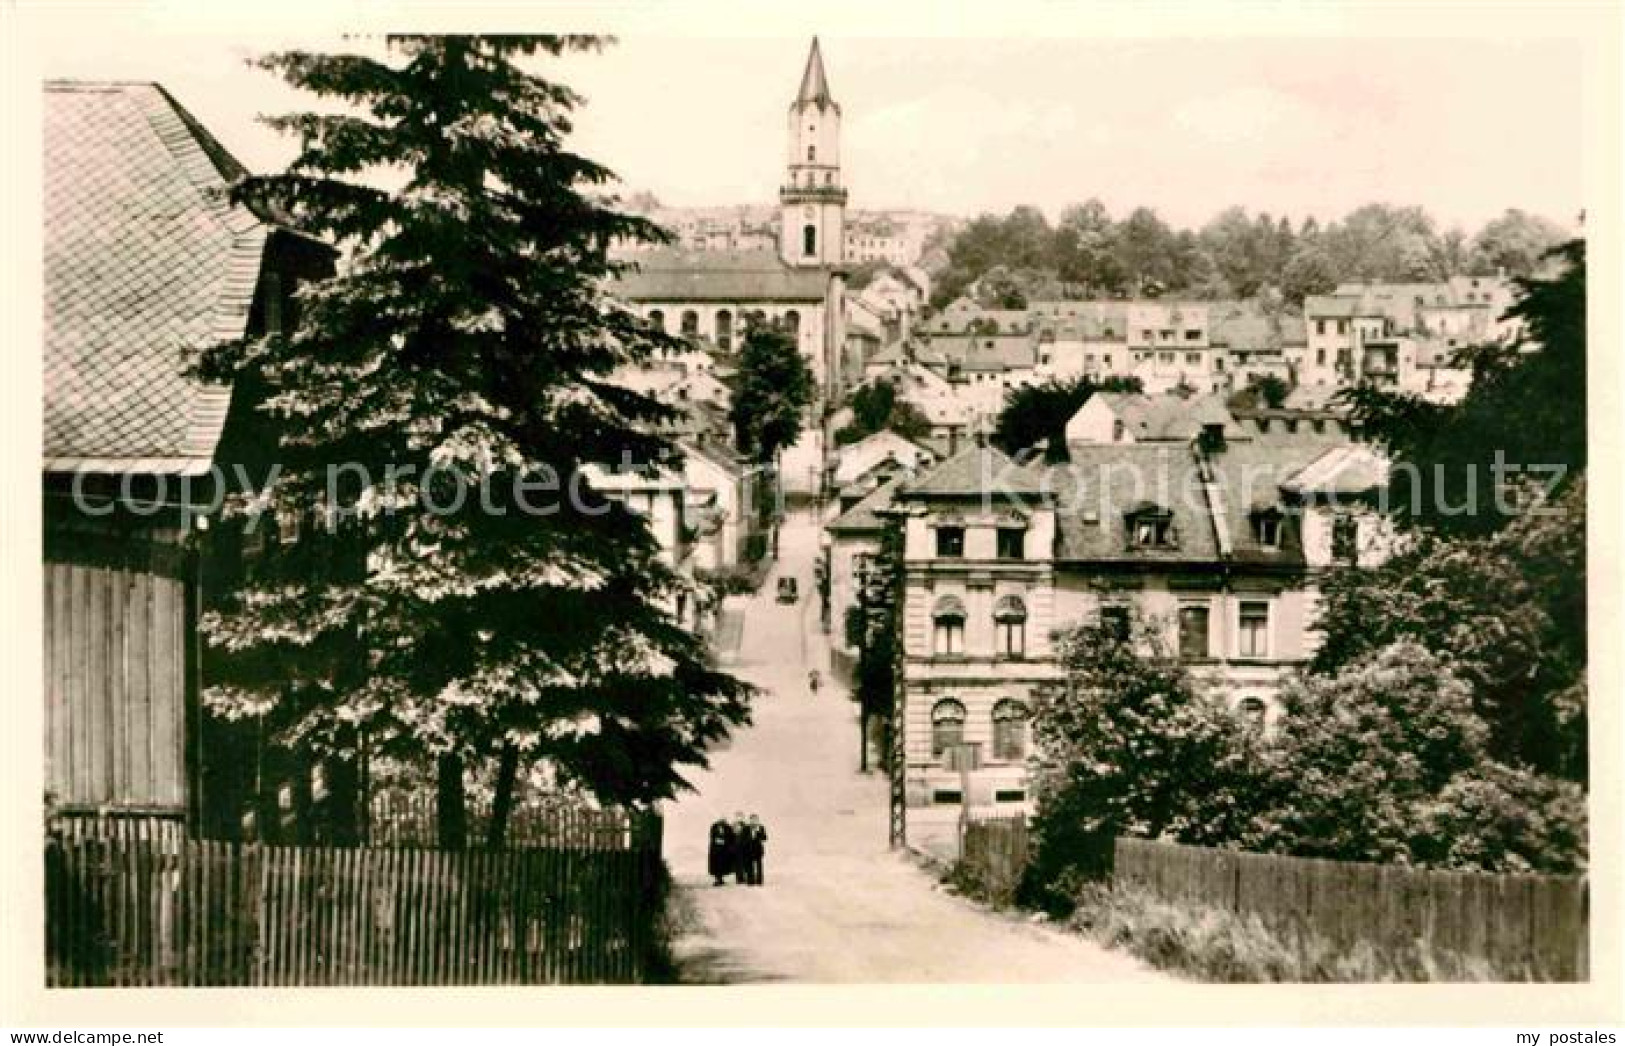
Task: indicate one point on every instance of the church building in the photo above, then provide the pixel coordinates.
(711, 295)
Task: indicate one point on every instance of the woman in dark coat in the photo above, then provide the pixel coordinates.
(721, 856)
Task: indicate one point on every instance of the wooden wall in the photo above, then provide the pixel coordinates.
(115, 685)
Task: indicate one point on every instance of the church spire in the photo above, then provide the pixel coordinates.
(814, 87)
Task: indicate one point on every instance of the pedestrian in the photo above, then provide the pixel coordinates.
(756, 850)
(813, 680)
(741, 848)
(720, 856)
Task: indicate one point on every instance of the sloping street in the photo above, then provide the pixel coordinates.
(837, 904)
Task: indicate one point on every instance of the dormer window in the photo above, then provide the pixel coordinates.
(1150, 526)
(1267, 527)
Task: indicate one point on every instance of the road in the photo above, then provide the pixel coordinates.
(837, 906)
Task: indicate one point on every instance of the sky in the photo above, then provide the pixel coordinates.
(1463, 127)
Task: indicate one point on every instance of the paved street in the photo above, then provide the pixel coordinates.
(837, 905)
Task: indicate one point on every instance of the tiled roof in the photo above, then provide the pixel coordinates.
(987, 352)
(1102, 483)
(863, 517)
(1346, 469)
(144, 260)
(1170, 418)
(1250, 477)
(972, 472)
(720, 276)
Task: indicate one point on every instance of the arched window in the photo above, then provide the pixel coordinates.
(948, 626)
(812, 154)
(947, 725)
(792, 323)
(809, 240)
(1010, 623)
(1009, 730)
(1253, 712)
(725, 330)
(690, 324)
(657, 318)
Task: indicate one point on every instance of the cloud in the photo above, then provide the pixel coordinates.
(1256, 117)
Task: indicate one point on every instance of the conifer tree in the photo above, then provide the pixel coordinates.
(457, 592)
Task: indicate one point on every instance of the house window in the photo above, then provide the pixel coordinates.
(950, 542)
(1009, 730)
(1010, 624)
(1267, 528)
(947, 725)
(725, 330)
(690, 323)
(1193, 633)
(657, 319)
(1193, 335)
(1193, 358)
(809, 240)
(948, 626)
(1345, 540)
(1320, 357)
(1012, 543)
(1114, 620)
(1151, 527)
(1254, 633)
(1119, 430)
(1253, 712)
(812, 154)
(792, 323)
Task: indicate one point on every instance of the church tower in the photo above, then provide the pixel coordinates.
(812, 214)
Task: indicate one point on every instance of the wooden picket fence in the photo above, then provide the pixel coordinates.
(1525, 927)
(411, 820)
(993, 854)
(173, 911)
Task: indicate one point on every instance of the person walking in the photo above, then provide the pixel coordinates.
(720, 855)
(756, 850)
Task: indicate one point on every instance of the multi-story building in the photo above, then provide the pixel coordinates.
(1215, 540)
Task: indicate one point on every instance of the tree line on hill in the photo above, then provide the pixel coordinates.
(1006, 262)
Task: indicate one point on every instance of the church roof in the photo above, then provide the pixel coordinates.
(814, 85)
(720, 276)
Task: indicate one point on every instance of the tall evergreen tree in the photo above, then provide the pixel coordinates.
(457, 593)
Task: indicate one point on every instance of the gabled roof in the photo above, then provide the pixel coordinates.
(1250, 477)
(864, 518)
(973, 472)
(1169, 418)
(671, 275)
(145, 260)
(856, 459)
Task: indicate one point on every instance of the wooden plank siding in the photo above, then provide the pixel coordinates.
(115, 688)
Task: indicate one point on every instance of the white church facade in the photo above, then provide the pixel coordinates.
(712, 295)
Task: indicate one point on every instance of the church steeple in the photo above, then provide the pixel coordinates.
(812, 218)
(814, 85)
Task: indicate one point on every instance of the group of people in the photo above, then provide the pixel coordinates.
(737, 849)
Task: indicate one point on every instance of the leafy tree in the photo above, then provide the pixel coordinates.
(1357, 752)
(1507, 611)
(876, 405)
(1309, 271)
(1128, 746)
(1387, 760)
(1268, 391)
(464, 350)
(1083, 248)
(1143, 251)
(772, 389)
(1514, 243)
(1033, 414)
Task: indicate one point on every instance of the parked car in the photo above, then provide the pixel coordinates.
(787, 590)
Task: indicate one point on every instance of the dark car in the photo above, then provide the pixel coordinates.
(787, 590)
